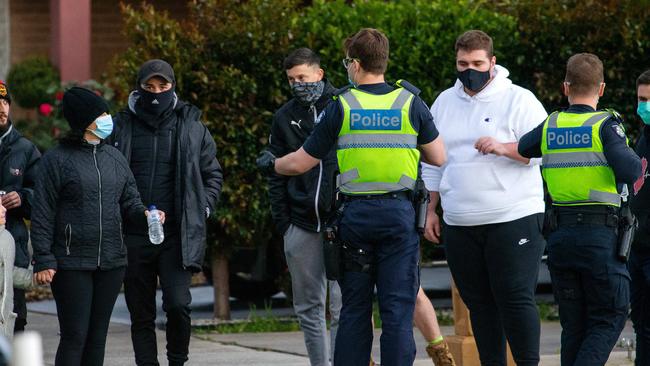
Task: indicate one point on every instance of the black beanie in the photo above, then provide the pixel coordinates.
(4, 92)
(81, 107)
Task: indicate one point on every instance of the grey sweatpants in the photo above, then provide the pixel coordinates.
(304, 252)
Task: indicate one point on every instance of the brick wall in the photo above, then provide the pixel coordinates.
(30, 29)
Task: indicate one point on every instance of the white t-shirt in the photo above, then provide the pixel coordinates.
(477, 189)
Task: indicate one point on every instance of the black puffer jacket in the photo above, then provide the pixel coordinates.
(304, 200)
(82, 194)
(198, 174)
(18, 170)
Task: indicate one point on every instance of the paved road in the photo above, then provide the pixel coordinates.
(266, 349)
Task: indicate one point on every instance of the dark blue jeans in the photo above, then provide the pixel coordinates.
(495, 268)
(640, 290)
(592, 289)
(385, 230)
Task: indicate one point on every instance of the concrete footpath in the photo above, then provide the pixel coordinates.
(258, 349)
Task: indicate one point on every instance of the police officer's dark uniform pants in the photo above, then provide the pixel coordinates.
(639, 266)
(495, 268)
(147, 264)
(591, 287)
(384, 228)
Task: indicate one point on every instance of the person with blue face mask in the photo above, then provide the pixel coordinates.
(639, 264)
(83, 194)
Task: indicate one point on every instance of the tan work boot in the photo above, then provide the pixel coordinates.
(440, 354)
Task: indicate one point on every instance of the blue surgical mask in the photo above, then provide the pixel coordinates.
(104, 127)
(644, 112)
(350, 78)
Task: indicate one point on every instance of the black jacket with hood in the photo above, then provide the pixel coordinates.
(199, 176)
(304, 200)
(19, 159)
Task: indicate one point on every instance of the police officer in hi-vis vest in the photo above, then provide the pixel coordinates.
(586, 161)
(380, 133)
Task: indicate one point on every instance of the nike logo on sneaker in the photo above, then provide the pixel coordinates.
(523, 241)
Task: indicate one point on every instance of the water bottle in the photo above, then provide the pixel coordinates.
(156, 233)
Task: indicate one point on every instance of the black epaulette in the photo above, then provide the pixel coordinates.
(408, 86)
(340, 91)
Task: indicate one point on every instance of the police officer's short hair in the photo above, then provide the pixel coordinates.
(643, 79)
(301, 56)
(473, 40)
(370, 46)
(584, 73)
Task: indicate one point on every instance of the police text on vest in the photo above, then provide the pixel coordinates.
(568, 138)
(375, 119)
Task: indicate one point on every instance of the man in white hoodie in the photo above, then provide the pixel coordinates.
(492, 199)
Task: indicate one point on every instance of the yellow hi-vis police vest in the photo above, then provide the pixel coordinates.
(377, 145)
(573, 163)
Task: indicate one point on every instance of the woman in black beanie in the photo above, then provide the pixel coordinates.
(84, 190)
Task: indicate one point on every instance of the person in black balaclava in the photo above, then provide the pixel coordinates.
(173, 158)
(19, 159)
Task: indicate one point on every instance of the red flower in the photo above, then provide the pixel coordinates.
(59, 95)
(45, 109)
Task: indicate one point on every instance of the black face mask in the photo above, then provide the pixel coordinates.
(156, 103)
(474, 80)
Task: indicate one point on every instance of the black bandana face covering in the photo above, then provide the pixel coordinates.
(156, 103)
(308, 93)
(474, 80)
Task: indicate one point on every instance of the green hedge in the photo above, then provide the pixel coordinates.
(228, 60)
(422, 35)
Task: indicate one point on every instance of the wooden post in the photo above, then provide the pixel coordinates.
(462, 345)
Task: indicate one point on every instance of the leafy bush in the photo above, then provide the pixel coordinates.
(422, 35)
(552, 31)
(228, 60)
(31, 81)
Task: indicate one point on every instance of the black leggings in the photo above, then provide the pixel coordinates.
(84, 303)
(495, 268)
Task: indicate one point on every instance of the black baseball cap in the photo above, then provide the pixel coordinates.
(156, 67)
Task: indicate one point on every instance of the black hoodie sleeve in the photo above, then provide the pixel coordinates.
(46, 196)
(278, 191)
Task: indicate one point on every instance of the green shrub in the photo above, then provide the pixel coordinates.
(552, 31)
(31, 81)
(422, 35)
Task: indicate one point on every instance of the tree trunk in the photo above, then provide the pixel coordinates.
(221, 286)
